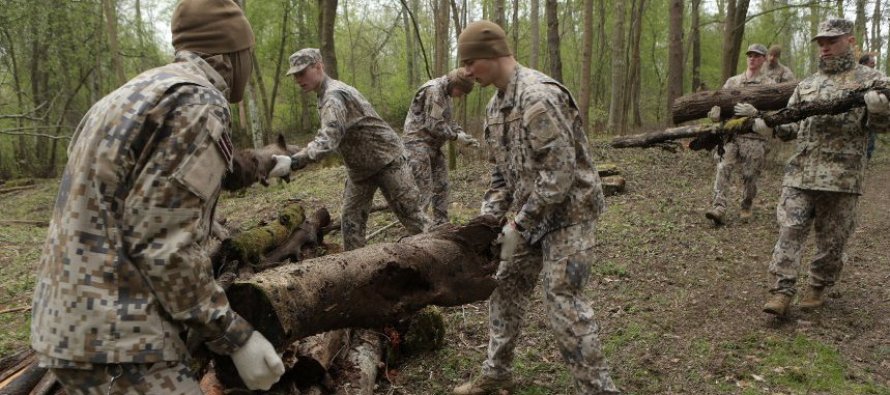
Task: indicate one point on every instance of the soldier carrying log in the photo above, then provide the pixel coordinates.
(823, 179)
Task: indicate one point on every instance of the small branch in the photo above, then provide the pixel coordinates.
(20, 132)
(15, 309)
(381, 230)
(15, 189)
(24, 222)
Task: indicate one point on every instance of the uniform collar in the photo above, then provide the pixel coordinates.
(324, 86)
(202, 67)
(508, 95)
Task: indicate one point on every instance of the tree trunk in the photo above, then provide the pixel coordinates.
(110, 11)
(586, 53)
(733, 32)
(442, 13)
(257, 81)
(500, 13)
(362, 360)
(514, 29)
(248, 247)
(859, 25)
(815, 18)
(617, 122)
(675, 52)
(601, 56)
(763, 97)
(327, 10)
(634, 84)
(876, 27)
(695, 36)
(448, 266)
(410, 55)
(551, 11)
(276, 81)
(301, 244)
(535, 32)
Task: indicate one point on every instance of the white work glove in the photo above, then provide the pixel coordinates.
(876, 103)
(714, 114)
(509, 239)
(282, 166)
(760, 127)
(466, 139)
(745, 110)
(257, 362)
(298, 161)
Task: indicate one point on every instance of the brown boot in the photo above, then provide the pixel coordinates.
(813, 298)
(483, 385)
(778, 304)
(716, 214)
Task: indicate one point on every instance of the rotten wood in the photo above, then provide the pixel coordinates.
(302, 241)
(613, 185)
(363, 288)
(315, 355)
(10, 365)
(361, 364)
(47, 385)
(248, 247)
(763, 97)
(24, 380)
(644, 140)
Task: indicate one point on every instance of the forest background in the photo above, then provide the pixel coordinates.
(625, 61)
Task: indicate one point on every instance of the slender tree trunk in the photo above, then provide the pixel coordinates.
(327, 10)
(616, 112)
(601, 55)
(110, 11)
(876, 27)
(409, 48)
(859, 25)
(535, 31)
(695, 36)
(586, 53)
(500, 13)
(815, 18)
(840, 8)
(514, 28)
(258, 83)
(675, 52)
(140, 30)
(551, 11)
(734, 31)
(636, 64)
(279, 61)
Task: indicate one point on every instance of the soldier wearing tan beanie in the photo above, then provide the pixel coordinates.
(544, 176)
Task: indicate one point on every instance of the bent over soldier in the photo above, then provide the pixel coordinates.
(823, 179)
(745, 153)
(125, 267)
(372, 151)
(428, 126)
(543, 172)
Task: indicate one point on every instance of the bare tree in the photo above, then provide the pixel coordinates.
(695, 37)
(110, 10)
(733, 32)
(514, 28)
(500, 13)
(675, 53)
(442, 14)
(619, 68)
(327, 15)
(552, 14)
(535, 31)
(859, 24)
(876, 27)
(586, 53)
(636, 70)
(815, 17)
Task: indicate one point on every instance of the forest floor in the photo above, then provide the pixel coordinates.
(678, 299)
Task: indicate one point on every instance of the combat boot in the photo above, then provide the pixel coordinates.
(778, 304)
(716, 214)
(484, 385)
(813, 298)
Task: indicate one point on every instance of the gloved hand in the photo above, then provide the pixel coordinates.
(257, 362)
(745, 110)
(509, 239)
(282, 166)
(298, 161)
(760, 127)
(876, 103)
(466, 139)
(714, 114)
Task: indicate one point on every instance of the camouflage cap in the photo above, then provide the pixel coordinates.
(756, 48)
(303, 58)
(834, 28)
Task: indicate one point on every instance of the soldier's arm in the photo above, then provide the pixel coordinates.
(333, 128)
(437, 124)
(788, 131)
(879, 122)
(498, 197)
(164, 226)
(549, 125)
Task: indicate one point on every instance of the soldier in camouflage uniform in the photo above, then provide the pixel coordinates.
(775, 69)
(372, 151)
(428, 126)
(823, 179)
(125, 269)
(543, 172)
(744, 153)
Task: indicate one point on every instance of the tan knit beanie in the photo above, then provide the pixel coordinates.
(457, 78)
(210, 27)
(482, 40)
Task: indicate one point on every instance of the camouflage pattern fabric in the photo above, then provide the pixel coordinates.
(430, 171)
(397, 185)
(833, 216)
(542, 164)
(780, 73)
(543, 170)
(351, 127)
(124, 268)
(171, 378)
(830, 153)
(565, 256)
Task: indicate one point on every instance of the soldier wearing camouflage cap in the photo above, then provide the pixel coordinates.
(544, 174)
(744, 154)
(428, 125)
(823, 179)
(775, 69)
(372, 151)
(125, 267)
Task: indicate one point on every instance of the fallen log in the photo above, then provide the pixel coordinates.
(248, 247)
(645, 140)
(607, 169)
(763, 97)
(364, 288)
(23, 381)
(359, 374)
(315, 355)
(305, 239)
(47, 385)
(613, 185)
(37, 223)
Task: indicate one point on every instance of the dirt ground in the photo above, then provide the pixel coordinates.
(678, 300)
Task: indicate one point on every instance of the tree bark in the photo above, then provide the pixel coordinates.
(276, 81)
(586, 53)
(449, 266)
(733, 32)
(535, 32)
(551, 11)
(695, 36)
(249, 246)
(634, 81)
(301, 242)
(617, 121)
(410, 55)
(876, 27)
(763, 97)
(500, 13)
(442, 13)
(859, 25)
(362, 361)
(327, 10)
(514, 29)
(110, 11)
(675, 52)
(815, 18)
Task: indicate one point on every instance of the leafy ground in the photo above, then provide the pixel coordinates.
(678, 300)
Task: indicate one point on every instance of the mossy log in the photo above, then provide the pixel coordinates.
(249, 246)
(361, 365)
(306, 238)
(367, 287)
(763, 97)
